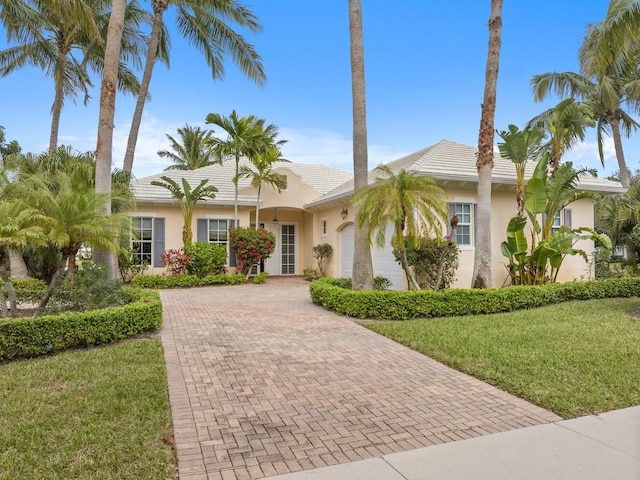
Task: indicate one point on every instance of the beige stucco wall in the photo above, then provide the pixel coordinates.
(174, 222)
(503, 208)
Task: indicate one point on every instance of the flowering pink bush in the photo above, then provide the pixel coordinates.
(176, 261)
(251, 246)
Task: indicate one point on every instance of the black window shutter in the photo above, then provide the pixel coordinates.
(567, 217)
(158, 241)
(202, 234)
(232, 252)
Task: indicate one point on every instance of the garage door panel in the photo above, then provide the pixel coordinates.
(384, 263)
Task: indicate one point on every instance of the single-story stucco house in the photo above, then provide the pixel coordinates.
(315, 208)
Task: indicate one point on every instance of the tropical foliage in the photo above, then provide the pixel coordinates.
(188, 197)
(246, 136)
(538, 260)
(191, 151)
(434, 261)
(208, 26)
(67, 43)
(59, 208)
(261, 172)
(411, 203)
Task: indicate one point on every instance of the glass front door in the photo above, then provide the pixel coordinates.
(288, 249)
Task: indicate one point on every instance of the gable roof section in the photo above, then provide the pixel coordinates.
(320, 178)
(450, 161)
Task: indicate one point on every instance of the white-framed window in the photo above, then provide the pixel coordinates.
(323, 227)
(561, 218)
(218, 231)
(463, 234)
(557, 223)
(142, 239)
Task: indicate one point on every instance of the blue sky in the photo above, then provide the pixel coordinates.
(425, 65)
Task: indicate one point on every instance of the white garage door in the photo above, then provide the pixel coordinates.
(384, 262)
(346, 251)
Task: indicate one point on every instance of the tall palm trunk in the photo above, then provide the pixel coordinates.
(159, 6)
(482, 275)
(235, 182)
(258, 207)
(17, 265)
(107, 114)
(617, 143)
(58, 101)
(362, 264)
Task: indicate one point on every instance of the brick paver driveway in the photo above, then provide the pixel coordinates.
(261, 382)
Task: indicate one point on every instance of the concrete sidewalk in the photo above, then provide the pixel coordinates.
(606, 446)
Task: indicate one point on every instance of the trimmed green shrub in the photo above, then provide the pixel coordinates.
(332, 294)
(27, 289)
(31, 337)
(186, 281)
(91, 290)
(261, 278)
(206, 258)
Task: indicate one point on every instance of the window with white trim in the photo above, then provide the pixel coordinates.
(561, 218)
(142, 239)
(323, 227)
(463, 234)
(557, 223)
(218, 231)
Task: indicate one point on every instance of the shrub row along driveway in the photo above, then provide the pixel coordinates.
(261, 382)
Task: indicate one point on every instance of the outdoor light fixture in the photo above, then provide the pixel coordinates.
(344, 213)
(275, 216)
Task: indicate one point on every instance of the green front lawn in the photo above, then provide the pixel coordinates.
(87, 414)
(574, 358)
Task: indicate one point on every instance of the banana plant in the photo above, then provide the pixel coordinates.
(539, 261)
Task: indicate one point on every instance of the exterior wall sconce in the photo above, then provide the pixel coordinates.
(344, 213)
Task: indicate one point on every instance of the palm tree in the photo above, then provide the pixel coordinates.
(188, 197)
(262, 172)
(615, 40)
(105, 121)
(19, 227)
(246, 136)
(362, 277)
(412, 203)
(71, 214)
(192, 151)
(520, 146)
(482, 275)
(204, 23)
(51, 33)
(605, 92)
(566, 124)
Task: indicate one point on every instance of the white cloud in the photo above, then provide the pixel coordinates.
(323, 147)
(586, 154)
(305, 145)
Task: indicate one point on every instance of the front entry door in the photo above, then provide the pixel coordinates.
(288, 249)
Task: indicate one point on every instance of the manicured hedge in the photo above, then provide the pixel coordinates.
(183, 281)
(394, 305)
(33, 336)
(27, 289)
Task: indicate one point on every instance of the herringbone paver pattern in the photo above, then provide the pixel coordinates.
(262, 382)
